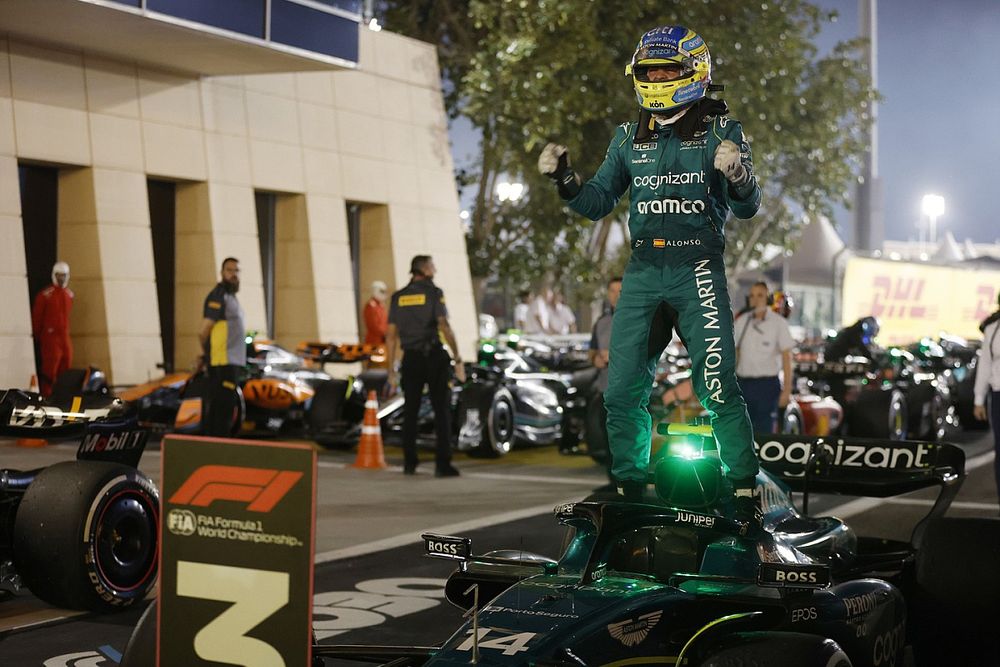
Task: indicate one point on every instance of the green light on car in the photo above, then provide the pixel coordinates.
(683, 448)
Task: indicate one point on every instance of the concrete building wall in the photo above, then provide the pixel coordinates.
(319, 140)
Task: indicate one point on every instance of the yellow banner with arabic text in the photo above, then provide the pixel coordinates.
(914, 300)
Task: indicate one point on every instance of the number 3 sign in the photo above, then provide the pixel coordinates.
(236, 553)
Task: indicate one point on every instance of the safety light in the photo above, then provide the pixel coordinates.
(683, 448)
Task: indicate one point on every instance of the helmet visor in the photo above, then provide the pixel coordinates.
(662, 71)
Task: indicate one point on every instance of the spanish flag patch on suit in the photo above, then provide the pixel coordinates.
(412, 300)
(659, 243)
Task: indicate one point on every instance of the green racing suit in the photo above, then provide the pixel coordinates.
(679, 204)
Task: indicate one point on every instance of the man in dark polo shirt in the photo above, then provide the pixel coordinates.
(223, 342)
(418, 319)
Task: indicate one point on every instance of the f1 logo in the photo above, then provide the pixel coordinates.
(260, 488)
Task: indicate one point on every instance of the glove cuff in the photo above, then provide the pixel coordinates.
(742, 190)
(568, 184)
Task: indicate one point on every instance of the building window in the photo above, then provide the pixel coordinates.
(266, 203)
(354, 238)
(39, 219)
(163, 228)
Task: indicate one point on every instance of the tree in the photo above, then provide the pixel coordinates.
(527, 72)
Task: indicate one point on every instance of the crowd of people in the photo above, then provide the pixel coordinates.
(543, 313)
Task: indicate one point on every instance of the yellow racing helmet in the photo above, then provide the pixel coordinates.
(670, 45)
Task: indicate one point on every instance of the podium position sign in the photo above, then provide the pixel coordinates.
(236, 559)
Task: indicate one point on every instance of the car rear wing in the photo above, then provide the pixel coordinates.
(867, 467)
(27, 415)
(334, 353)
(860, 466)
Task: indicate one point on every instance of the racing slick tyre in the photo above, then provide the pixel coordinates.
(141, 648)
(878, 414)
(957, 596)
(498, 428)
(927, 412)
(776, 649)
(324, 412)
(792, 422)
(957, 565)
(85, 535)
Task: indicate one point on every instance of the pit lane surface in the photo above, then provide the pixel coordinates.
(372, 583)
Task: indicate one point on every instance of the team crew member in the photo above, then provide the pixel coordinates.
(376, 317)
(686, 165)
(50, 326)
(223, 341)
(763, 341)
(418, 319)
(600, 349)
(600, 336)
(987, 387)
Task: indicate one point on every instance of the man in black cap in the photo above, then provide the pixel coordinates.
(418, 319)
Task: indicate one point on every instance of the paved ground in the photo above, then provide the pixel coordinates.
(367, 545)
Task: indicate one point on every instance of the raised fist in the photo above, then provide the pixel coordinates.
(727, 160)
(553, 161)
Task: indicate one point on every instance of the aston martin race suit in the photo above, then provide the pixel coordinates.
(679, 204)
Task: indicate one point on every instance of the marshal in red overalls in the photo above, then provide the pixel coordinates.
(50, 326)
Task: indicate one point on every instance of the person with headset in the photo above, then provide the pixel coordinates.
(987, 385)
(686, 165)
(763, 348)
(418, 319)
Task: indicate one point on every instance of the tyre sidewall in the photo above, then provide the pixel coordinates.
(498, 430)
(55, 546)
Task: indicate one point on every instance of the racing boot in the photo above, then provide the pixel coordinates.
(747, 511)
(631, 490)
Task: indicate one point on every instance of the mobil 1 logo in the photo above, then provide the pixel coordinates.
(236, 540)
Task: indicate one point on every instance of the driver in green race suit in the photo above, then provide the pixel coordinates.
(686, 165)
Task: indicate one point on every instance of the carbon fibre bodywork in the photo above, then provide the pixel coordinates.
(653, 583)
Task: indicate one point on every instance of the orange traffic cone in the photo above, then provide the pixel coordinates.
(370, 452)
(32, 442)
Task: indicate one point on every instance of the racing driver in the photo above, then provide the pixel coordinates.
(686, 165)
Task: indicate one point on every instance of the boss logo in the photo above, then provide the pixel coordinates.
(442, 548)
(777, 575)
(794, 577)
(446, 546)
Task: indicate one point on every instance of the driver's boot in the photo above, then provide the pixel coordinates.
(747, 510)
(631, 490)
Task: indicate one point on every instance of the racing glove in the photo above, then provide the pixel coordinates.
(554, 163)
(727, 160)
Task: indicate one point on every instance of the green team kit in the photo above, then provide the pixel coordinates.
(685, 170)
(677, 211)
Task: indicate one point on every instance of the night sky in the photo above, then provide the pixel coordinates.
(939, 122)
